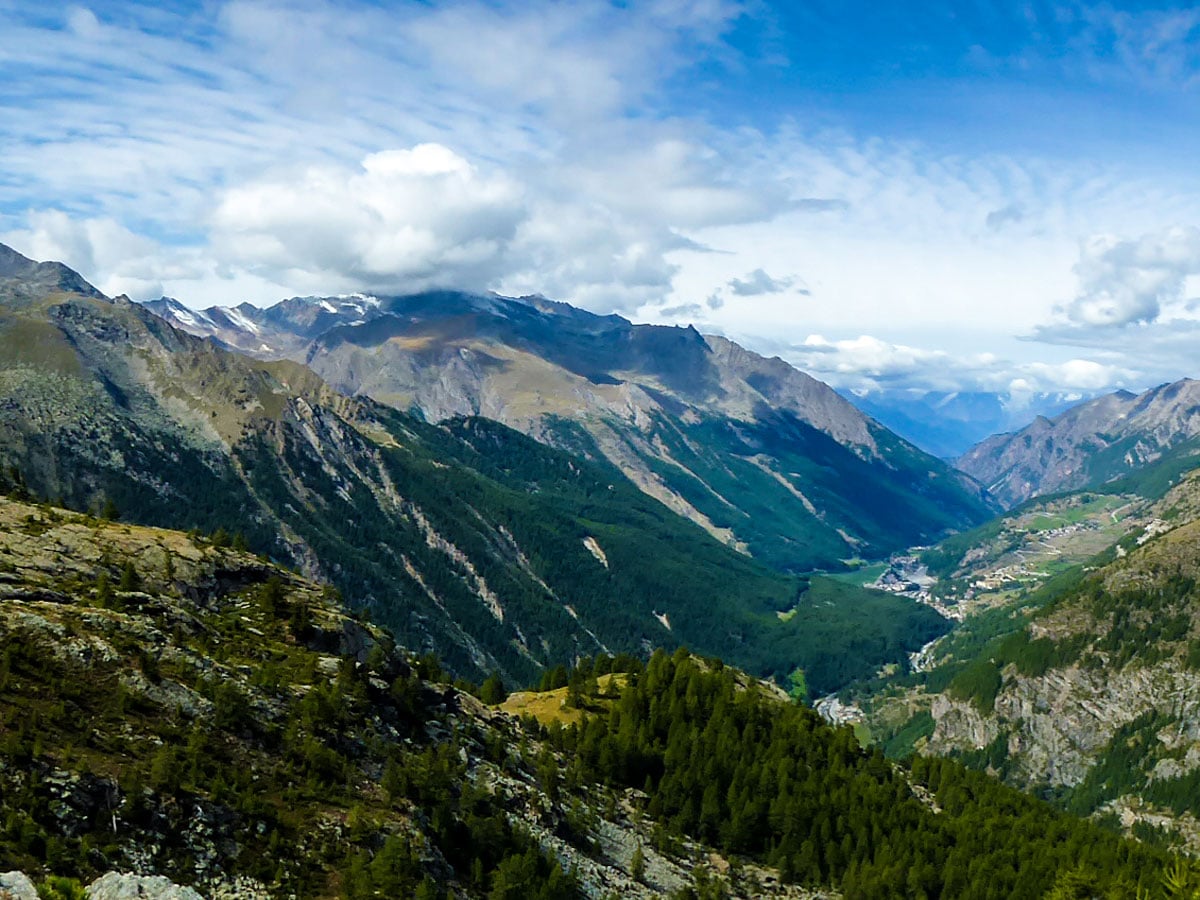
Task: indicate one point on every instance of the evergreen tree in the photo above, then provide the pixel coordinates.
(492, 690)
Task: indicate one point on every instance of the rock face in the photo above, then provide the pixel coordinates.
(1055, 728)
(764, 457)
(1097, 698)
(1090, 444)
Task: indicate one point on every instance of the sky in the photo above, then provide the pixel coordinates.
(892, 196)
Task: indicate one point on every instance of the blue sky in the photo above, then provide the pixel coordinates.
(892, 196)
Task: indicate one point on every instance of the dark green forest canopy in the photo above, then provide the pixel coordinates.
(722, 761)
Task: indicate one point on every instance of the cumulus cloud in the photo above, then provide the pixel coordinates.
(1083, 375)
(407, 219)
(129, 263)
(1128, 282)
(404, 220)
(867, 357)
(867, 363)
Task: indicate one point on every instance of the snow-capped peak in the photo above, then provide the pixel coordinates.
(239, 320)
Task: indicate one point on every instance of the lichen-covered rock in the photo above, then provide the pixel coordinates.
(118, 886)
(17, 886)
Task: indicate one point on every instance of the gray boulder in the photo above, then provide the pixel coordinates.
(17, 886)
(116, 886)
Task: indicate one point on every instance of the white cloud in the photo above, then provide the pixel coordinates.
(866, 363)
(130, 263)
(1153, 46)
(869, 358)
(405, 220)
(83, 22)
(1085, 375)
(248, 150)
(1125, 282)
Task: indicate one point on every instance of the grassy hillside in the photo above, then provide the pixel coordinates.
(1075, 672)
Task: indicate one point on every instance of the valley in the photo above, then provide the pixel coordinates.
(353, 556)
(592, 450)
(245, 735)
(466, 538)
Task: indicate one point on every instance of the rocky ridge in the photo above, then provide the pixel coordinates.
(1090, 444)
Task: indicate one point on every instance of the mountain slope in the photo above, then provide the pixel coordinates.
(1076, 672)
(176, 708)
(762, 456)
(467, 538)
(1090, 444)
(1097, 697)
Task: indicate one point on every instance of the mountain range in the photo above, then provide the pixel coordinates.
(949, 423)
(1093, 443)
(522, 492)
(466, 537)
(763, 457)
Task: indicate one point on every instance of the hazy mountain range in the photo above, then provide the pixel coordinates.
(949, 423)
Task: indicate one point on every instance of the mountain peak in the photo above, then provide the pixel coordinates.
(14, 264)
(22, 278)
(1091, 443)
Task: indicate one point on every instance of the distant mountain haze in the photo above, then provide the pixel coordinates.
(949, 423)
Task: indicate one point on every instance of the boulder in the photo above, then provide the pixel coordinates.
(117, 886)
(17, 886)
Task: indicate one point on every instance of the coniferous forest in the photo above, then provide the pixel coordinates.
(721, 761)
